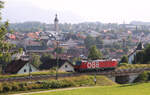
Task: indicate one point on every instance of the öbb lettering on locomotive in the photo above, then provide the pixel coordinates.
(95, 65)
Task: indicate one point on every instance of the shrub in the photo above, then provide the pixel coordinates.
(30, 86)
(61, 83)
(67, 83)
(55, 84)
(1, 87)
(15, 86)
(148, 75)
(23, 86)
(36, 86)
(6, 87)
(142, 77)
(46, 85)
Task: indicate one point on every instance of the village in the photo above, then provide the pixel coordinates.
(113, 40)
(74, 47)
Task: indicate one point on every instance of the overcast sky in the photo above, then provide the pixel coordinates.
(87, 10)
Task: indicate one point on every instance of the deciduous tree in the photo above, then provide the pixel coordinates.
(5, 55)
(89, 41)
(124, 59)
(94, 53)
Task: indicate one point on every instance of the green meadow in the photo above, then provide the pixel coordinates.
(130, 89)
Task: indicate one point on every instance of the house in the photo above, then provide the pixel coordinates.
(17, 56)
(132, 55)
(63, 65)
(20, 67)
(29, 42)
(32, 35)
(10, 36)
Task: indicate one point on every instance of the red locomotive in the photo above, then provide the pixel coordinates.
(95, 65)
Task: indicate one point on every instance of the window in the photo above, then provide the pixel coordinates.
(24, 70)
(66, 66)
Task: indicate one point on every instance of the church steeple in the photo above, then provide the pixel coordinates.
(56, 19)
(56, 23)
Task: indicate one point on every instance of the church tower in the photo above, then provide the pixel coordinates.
(56, 24)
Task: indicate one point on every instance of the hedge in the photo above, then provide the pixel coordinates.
(48, 84)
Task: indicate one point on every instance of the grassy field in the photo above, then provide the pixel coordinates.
(136, 89)
(134, 66)
(67, 82)
(48, 72)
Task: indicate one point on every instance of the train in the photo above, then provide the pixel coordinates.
(95, 65)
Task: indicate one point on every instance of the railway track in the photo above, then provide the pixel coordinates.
(121, 72)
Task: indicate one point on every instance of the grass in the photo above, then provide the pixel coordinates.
(135, 89)
(89, 80)
(134, 66)
(48, 72)
(76, 81)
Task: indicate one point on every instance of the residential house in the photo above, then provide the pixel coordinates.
(63, 65)
(17, 56)
(32, 35)
(20, 67)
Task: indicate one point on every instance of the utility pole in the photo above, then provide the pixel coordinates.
(57, 59)
(95, 75)
(30, 61)
(57, 42)
(95, 78)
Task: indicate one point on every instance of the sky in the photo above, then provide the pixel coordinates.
(74, 11)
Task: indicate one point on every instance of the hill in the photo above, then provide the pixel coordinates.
(20, 11)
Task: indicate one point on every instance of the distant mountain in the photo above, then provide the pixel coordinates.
(140, 23)
(27, 12)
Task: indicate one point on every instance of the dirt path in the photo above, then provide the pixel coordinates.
(63, 89)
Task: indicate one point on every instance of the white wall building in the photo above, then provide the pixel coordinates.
(26, 68)
(66, 67)
(20, 67)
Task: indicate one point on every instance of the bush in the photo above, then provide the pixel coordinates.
(143, 77)
(148, 75)
(49, 84)
(67, 83)
(15, 87)
(45, 85)
(56, 84)
(1, 87)
(36, 86)
(123, 64)
(23, 86)
(6, 87)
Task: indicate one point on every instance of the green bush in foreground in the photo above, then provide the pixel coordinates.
(143, 77)
(52, 84)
